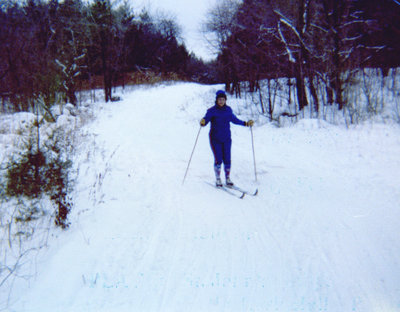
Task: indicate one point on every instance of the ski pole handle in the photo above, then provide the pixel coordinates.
(190, 159)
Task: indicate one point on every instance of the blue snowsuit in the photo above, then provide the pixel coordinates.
(220, 135)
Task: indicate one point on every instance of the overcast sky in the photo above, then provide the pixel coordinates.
(189, 14)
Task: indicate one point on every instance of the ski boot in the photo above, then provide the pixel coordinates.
(229, 183)
(218, 183)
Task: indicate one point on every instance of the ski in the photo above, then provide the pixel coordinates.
(239, 189)
(230, 191)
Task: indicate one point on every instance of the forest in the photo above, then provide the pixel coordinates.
(323, 47)
(50, 50)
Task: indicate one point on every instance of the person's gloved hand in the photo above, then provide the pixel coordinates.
(249, 123)
(202, 122)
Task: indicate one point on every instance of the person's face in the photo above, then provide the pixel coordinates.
(221, 101)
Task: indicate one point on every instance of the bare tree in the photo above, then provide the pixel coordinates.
(72, 34)
(219, 23)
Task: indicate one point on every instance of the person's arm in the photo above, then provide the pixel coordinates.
(206, 119)
(237, 121)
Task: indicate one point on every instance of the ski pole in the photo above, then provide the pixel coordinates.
(254, 154)
(195, 143)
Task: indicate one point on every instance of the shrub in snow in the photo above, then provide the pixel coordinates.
(39, 165)
(35, 175)
(36, 182)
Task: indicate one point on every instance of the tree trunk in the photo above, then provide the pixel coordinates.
(314, 95)
(71, 96)
(261, 101)
(106, 70)
(301, 60)
(300, 86)
(270, 107)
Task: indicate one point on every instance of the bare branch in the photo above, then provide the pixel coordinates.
(291, 58)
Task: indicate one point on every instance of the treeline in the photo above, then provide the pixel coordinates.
(319, 45)
(50, 49)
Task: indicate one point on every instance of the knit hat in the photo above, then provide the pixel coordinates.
(220, 93)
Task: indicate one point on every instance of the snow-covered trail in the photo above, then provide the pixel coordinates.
(321, 236)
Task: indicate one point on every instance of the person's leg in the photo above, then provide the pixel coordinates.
(226, 157)
(217, 149)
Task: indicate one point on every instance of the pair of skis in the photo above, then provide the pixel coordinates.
(236, 191)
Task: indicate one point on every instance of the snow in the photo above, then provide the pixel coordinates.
(322, 235)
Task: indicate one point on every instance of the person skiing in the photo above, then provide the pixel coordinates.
(220, 116)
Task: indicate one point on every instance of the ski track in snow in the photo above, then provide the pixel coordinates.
(322, 235)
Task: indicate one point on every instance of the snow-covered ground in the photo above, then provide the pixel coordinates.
(322, 235)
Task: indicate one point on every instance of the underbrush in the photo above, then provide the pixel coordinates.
(36, 175)
(367, 95)
(37, 178)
